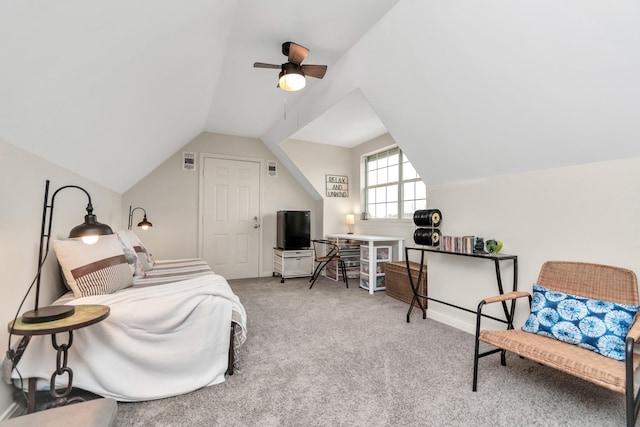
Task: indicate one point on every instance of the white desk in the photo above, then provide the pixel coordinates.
(371, 240)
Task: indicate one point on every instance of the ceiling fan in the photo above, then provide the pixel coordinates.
(292, 73)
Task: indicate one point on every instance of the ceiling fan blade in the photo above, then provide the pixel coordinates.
(297, 53)
(316, 71)
(263, 65)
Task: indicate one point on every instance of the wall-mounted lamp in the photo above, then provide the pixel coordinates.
(89, 231)
(144, 224)
(350, 221)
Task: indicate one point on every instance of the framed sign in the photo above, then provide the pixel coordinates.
(337, 185)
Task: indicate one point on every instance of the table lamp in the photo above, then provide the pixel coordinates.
(350, 222)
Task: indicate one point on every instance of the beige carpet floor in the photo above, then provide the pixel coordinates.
(332, 356)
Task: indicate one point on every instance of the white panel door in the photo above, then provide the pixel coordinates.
(231, 216)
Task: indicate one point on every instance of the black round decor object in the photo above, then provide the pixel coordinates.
(427, 217)
(426, 236)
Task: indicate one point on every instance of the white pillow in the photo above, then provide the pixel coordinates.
(131, 240)
(95, 269)
(130, 255)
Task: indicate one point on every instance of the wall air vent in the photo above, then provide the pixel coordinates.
(272, 169)
(188, 161)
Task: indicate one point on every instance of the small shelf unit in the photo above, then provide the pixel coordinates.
(372, 275)
(349, 251)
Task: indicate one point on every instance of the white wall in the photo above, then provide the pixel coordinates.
(578, 213)
(169, 195)
(23, 177)
(316, 161)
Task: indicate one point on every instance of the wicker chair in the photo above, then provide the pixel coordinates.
(590, 280)
(325, 252)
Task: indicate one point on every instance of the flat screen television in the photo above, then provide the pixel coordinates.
(294, 229)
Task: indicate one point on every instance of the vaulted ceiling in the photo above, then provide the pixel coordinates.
(110, 89)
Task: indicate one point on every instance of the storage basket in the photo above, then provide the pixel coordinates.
(397, 282)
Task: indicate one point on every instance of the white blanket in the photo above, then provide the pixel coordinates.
(158, 341)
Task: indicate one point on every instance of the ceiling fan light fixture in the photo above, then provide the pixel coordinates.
(292, 73)
(291, 82)
(291, 78)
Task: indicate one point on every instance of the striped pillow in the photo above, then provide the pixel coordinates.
(95, 269)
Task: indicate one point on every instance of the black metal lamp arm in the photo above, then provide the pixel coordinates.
(44, 249)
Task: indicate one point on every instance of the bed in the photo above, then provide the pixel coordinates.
(174, 326)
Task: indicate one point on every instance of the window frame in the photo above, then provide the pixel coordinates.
(401, 181)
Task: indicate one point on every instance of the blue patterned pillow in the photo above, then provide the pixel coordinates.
(600, 326)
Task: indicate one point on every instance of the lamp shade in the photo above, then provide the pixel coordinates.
(90, 227)
(350, 220)
(145, 224)
(291, 77)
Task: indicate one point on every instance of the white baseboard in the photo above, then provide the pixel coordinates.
(10, 411)
(451, 321)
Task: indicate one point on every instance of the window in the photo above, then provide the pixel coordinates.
(393, 188)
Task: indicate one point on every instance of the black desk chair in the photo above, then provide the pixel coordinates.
(326, 251)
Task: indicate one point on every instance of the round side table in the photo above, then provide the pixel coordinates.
(84, 315)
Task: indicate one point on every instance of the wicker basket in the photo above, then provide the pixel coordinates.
(397, 281)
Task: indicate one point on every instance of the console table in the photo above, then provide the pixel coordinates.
(496, 258)
(371, 240)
